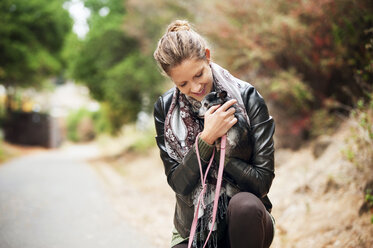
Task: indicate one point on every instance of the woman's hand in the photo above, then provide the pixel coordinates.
(218, 120)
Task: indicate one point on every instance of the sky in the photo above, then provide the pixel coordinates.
(79, 14)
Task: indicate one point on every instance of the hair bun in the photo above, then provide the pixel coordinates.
(178, 25)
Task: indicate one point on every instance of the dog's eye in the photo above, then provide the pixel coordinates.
(206, 104)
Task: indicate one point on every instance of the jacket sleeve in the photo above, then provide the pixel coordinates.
(182, 177)
(256, 175)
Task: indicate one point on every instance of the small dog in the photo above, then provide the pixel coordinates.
(238, 137)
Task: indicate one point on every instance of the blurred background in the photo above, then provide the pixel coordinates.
(81, 71)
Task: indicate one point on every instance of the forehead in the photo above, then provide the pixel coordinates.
(186, 70)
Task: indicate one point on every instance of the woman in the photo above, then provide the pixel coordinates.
(243, 218)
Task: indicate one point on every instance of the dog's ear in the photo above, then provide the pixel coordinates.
(222, 94)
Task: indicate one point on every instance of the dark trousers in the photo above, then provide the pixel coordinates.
(249, 224)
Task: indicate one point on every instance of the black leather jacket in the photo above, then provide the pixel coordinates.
(255, 177)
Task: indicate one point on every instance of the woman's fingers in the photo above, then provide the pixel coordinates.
(233, 121)
(230, 111)
(223, 108)
(228, 104)
(218, 120)
(212, 109)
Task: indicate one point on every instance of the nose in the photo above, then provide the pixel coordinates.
(196, 87)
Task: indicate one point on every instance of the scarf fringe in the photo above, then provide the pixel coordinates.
(203, 225)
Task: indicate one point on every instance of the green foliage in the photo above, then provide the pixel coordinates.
(303, 56)
(73, 121)
(323, 122)
(359, 144)
(327, 43)
(3, 156)
(369, 201)
(32, 33)
(143, 142)
(101, 120)
(97, 56)
(369, 198)
(364, 117)
(85, 125)
(70, 53)
(112, 65)
(349, 154)
(288, 89)
(148, 19)
(130, 85)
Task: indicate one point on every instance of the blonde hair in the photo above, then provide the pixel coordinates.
(180, 42)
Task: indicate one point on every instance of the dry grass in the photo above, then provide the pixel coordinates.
(317, 200)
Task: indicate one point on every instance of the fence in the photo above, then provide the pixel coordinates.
(34, 129)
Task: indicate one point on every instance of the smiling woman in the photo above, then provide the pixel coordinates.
(193, 77)
(243, 209)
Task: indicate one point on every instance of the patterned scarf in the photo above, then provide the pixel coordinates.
(182, 125)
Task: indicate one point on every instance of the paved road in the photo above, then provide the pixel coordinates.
(55, 200)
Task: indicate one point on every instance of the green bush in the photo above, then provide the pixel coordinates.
(2, 153)
(85, 125)
(369, 201)
(303, 56)
(287, 88)
(323, 122)
(143, 142)
(101, 120)
(73, 121)
(327, 44)
(359, 144)
(125, 77)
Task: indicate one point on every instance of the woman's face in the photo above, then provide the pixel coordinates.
(193, 77)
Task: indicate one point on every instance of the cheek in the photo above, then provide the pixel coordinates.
(208, 78)
(184, 90)
(204, 80)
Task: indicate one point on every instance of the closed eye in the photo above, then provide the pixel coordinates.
(199, 75)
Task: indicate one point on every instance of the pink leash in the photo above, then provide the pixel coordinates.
(203, 182)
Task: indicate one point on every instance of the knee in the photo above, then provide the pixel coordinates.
(246, 206)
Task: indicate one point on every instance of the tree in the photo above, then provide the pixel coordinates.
(32, 34)
(327, 44)
(310, 59)
(113, 66)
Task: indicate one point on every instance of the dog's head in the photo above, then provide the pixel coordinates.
(212, 99)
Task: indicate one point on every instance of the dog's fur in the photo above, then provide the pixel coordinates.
(238, 137)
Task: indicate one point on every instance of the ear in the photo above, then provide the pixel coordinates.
(207, 54)
(222, 94)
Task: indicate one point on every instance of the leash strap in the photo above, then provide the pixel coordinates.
(203, 182)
